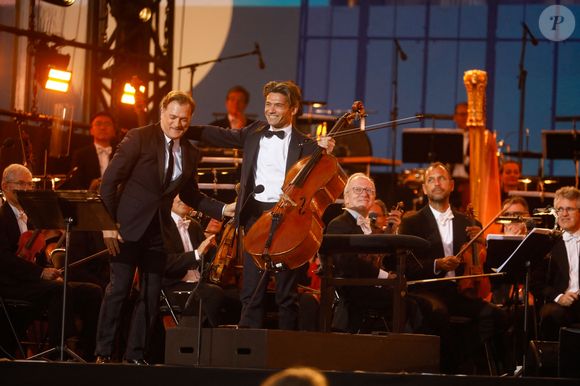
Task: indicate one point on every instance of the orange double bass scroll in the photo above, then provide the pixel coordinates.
(290, 234)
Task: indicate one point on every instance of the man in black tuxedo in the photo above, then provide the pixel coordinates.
(89, 162)
(270, 149)
(39, 283)
(446, 230)
(359, 198)
(555, 280)
(237, 100)
(151, 166)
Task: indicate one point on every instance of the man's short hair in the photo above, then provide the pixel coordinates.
(102, 114)
(11, 170)
(516, 200)
(180, 97)
(568, 193)
(241, 90)
(509, 161)
(287, 88)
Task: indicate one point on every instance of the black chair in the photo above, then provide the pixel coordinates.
(17, 307)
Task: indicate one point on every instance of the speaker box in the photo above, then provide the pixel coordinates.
(181, 344)
(569, 354)
(258, 348)
(542, 358)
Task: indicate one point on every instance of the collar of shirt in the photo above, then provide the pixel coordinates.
(103, 150)
(567, 236)
(363, 222)
(21, 218)
(442, 217)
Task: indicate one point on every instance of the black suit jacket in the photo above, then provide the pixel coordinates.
(132, 186)
(550, 276)
(86, 161)
(179, 262)
(350, 264)
(424, 225)
(248, 139)
(14, 270)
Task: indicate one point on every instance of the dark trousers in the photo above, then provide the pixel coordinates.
(149, 257)
(554, 316)
(439, 302)
(254, 285)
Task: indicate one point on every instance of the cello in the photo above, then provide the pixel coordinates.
(290, 234)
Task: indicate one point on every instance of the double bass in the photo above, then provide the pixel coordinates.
(290, 234)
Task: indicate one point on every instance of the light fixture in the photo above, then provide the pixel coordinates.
(129, 91)
(58, 80)
(61, 3)
(145, 14)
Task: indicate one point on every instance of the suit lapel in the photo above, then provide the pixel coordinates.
(294, 149)
(160, 148)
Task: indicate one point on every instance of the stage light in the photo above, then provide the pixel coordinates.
(129, 93)
(58, 80)
(61, 3)
(145, 14)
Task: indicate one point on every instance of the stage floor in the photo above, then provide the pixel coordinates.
(13, 373)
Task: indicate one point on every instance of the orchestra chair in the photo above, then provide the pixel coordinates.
(12, 309)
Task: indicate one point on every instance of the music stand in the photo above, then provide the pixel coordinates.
(374, 243)
(533, 247)
(72, 210)
(431, 145)
(562, 144)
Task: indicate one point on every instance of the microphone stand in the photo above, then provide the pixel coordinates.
(193, 66)
(397, 54)
(523, 73)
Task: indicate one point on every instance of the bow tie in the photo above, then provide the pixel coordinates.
(443, 218)
(278, 133)
(181, 223)
(365, 224)
(104, 150)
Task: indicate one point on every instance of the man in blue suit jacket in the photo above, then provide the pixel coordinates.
(150, 167)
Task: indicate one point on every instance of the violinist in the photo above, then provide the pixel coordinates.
(384, 221)
(25, 279)
(270, 149)
(182, 270)
(447, 230)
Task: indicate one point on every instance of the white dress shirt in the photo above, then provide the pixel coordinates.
(271, 165)
(445, 225)
(177, 166)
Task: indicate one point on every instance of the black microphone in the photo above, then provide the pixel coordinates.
(7, 143)
(258, 52)
(257, 190)
(533, 39)
(373, 217)
(400, 51)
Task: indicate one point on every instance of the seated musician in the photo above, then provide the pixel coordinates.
(516, 207)
(24, 278)
(555, 279)
(510, 172)
(359, 197)
(190, 244)
(447, 230)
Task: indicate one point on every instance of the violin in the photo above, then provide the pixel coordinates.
(289, 235)
(32, 244)
(390, 226)
(473, 260)
(222, 268)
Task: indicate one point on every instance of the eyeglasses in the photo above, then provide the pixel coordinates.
(567, 210)
(359, 190)
(28, 184)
